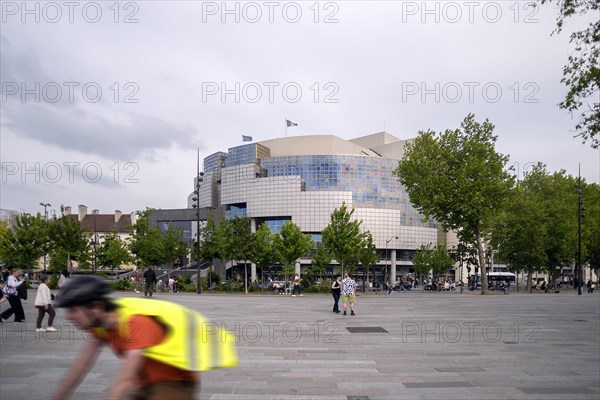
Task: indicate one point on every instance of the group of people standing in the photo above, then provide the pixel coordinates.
(346, 290)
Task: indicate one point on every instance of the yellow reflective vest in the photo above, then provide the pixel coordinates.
(192, 342)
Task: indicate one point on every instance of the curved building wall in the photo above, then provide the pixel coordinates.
(279, 180)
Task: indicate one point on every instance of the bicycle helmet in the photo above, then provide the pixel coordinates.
(83, 290)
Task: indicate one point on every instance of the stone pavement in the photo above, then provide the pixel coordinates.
(411, 345)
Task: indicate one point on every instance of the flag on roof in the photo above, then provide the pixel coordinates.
(246, 138)
(290, 123)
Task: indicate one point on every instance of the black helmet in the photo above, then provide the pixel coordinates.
(83, 290)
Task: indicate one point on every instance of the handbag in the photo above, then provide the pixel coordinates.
(22, 291)
(9, 290)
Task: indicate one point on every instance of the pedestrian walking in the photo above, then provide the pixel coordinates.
(137, 279)
(336, 290)
(3, 298)
(150, 277)
(296, 288)
(14, 299)
(43, 303)
(64, 278)
(163, 345)
(348, 293)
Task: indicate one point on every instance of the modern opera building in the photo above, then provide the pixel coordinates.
(304, 178)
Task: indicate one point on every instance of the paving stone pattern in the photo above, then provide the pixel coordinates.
(435, 346)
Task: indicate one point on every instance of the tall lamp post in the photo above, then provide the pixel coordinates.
(580, 215)
(45, 205)
(388, 259)
(196, 205)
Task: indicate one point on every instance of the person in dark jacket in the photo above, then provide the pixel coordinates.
(150, 277)
(336, 291)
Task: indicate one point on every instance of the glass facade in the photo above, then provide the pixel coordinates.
(276, 224)
(369, 179)
(247, 154)
(213, 162)
(236, 210)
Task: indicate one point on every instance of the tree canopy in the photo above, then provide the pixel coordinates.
(581, 75)
(432, 258)
(343, 238)
(290, 244)
(147, 243)
(23, 245)
(457, 178)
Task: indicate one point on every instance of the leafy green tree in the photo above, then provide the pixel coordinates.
(465, 254)
(591, 226)
(557, 195)
(68, 238)
(519, 233)
(538, 227)
(242, 244)
(4, 248)
(209, 246)
(112, 252)
(23, 245)
(174, 245)
(344, 238)
(223, 241)
(457, 178)
(582, 74)
(432, 258)
(264, 254)
(321, 259)
(146, 243)
(368, 255)
(290, 244)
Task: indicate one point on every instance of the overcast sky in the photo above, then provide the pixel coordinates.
(105, 104)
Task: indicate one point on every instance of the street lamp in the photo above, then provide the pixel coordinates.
(45, 205)
(580, 215)
(388, 259)
(196, 205)
(94, 243)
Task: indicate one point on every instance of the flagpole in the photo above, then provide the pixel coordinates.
(286, 124)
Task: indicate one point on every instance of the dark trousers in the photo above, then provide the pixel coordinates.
(149, 289)
(180, 390)
(41, 312)
(336, 300)
(296, 287)
(15, 308)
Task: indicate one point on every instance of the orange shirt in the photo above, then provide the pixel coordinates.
(145, 331)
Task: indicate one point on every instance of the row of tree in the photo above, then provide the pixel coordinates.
(65, 241)
(457, 178)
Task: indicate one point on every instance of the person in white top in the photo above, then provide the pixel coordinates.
(43, 302)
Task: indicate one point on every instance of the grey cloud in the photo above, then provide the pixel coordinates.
(74, 128)
(74, 124)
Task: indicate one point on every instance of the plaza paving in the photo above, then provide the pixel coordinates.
(426, 346)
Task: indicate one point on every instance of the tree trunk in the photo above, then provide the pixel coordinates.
(245, 277)
(529, 276)
(484, 283)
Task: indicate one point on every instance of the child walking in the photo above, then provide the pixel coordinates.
(43, 302)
